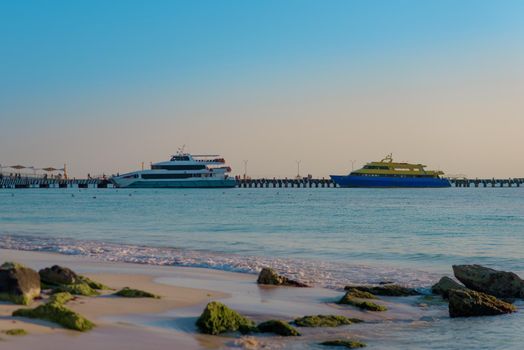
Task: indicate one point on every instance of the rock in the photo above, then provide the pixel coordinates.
(93, 284)
(269, 276)
(443, 286)
(57, 275)
(348, 344)
(325, 321)
(391, 290)
(278, 327)
(466, 303)
(127, 292)
(348, 299)
(76, 289)
(217, 318)
(501, 284)
(357, 293)
(15, 332)
(57, 313)
(18, 284)
(61, 298)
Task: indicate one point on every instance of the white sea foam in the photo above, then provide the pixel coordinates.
(320, 273)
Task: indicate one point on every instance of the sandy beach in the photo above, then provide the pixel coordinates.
(170, 321)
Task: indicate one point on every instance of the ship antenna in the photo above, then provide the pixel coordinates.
(181, 149)
(388, 158)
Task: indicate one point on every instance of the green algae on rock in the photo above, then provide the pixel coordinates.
(467, 303)
(348, 299)
(15, 332)
(61, 298)
(18, 284)
(357, 293)
(76, 289)
(93, 284)
(278, 327)
(217, 318)
(57, 313)
(348, 344)
(127, 292)
(325, 321)
(390, 290)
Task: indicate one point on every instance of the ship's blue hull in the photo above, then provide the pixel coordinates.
(389, 181)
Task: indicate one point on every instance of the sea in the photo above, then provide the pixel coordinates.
(329, 237)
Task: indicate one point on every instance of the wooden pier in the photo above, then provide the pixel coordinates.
(488, 182)
(285, 183)
(33, 182)
(8, 182)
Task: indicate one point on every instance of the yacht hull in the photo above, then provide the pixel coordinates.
(389, 181)
(219, 183)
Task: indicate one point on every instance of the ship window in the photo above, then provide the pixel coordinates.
(166, 176)
(179, 158)
(179, 167)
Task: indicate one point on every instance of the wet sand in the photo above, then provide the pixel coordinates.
(169, 322)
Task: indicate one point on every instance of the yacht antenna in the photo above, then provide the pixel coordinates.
(181, 149)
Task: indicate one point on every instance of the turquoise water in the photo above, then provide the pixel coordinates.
(326, 236)
(410, 235)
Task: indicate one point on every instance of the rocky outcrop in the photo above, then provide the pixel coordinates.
(357, 293)
(56, 275)
(271, 277)
(445, 285)
(62, 279)
(127, 292)
(18, 284)
(348, 299)
(278, 327)
(501, 284)
(217, 318)
(344, 343)
(390, 290)
(467, 303)
(325, 321)
(56, 312)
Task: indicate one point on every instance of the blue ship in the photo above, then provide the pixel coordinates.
(388, 173)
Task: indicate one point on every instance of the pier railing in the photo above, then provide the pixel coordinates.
(42, 182)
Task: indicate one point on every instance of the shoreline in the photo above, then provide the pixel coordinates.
(160, 323)
(185, 291)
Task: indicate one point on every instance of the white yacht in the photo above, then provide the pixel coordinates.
(182, 170)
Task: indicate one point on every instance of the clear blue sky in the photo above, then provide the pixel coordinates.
(103, 85)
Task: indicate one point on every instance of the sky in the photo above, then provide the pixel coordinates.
(105, 85)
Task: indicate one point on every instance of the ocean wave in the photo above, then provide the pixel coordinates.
(333, 275)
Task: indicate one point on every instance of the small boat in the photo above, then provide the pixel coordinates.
(388, 173)
(183, 170)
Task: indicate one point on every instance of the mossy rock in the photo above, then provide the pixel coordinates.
(278, 327)
(57, 313)
(347, 299)
(390, 290)
(11, 265)
(325, 321)
(15, 332)
(357, 293)
(77, 289)
(348, 344)
(93, 284)
(16, 299)
(217, 318)
(61, 298)
(127, 292)
(468, 303)
(18, 284)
